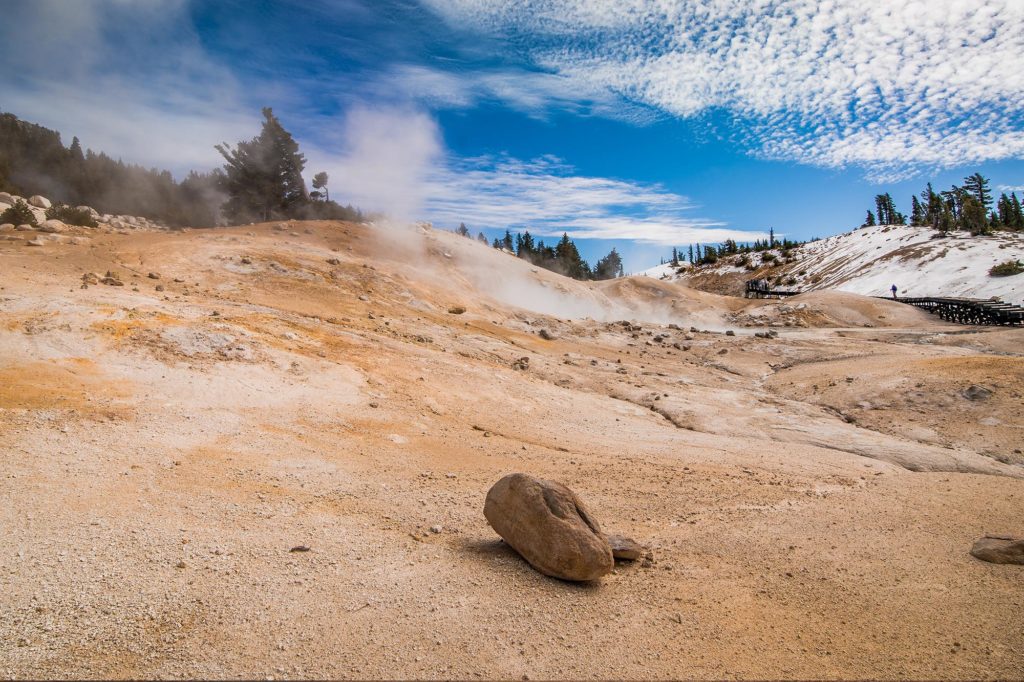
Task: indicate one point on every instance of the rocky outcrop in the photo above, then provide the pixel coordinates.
(549, 526)
(999, 549)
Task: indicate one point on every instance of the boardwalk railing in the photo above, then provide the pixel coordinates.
(758, 288)
(968, 310)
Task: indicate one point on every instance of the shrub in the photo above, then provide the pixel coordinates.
(19, 214)
(768, 257)
(1007, 268)
(71, 216)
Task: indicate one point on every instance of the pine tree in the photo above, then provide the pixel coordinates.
(870, 220)
(977, 186)
(320, 185)
(675, 256)
(973, 216)
(1018, 216)
(263, 177)
(771, 237)
(463, 231)
(609, 267)
(481, 237)
(507, 242)
(917, 212)
(691, 254)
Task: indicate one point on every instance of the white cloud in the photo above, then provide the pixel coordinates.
(535, 93)
(887, 86)
(548, 198)
(1011, 188)
(129, 77)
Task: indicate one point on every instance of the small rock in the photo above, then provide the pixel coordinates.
(456, 310)
(180, 564)
(723, 351)
(625, 548)
(730, 332)
(976, 392)
(999, 549)
(159, 287)
(522, 363)
(299, 548)
(546, 335)
(435, 529)
(153, 275)
(38, 241)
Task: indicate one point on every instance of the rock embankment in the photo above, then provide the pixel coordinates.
(105, 221)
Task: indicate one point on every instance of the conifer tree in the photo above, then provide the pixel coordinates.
(870, 220)
(263, 177)
(463, 231)
(481, 237)
(978, 187)
(507, 242)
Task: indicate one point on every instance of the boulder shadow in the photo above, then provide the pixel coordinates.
(498, 555)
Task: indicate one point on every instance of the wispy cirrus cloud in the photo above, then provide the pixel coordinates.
(548, 197)
(889, 87)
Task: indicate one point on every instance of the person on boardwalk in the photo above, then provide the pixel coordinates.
(893, 289)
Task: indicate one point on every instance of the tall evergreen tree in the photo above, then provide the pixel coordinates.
(978, 187)
(263, 177)
(870, 220)
(506, 243)
(609, 267)
(463, 231)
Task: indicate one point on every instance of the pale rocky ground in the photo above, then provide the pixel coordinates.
(810, 499)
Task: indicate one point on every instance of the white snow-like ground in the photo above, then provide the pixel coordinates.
(918, 260)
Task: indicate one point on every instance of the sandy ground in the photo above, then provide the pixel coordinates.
(810, 499)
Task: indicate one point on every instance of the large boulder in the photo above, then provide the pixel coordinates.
(52, 225)
(6, 198)
(39, 201)
(999, 549)
(549, 526)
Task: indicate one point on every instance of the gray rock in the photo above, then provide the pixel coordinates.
(626, 549)
(549, 526)
(547, 335)
(999, 549)
(976, 392)
(53, 225)
(39, 201)
(6, 198)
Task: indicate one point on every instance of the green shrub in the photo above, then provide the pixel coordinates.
(1005, 269)
(19, 214)
(71, 216)
(767, 257)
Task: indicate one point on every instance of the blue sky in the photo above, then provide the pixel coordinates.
(639, 124)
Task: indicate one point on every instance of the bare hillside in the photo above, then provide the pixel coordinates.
(263, 451)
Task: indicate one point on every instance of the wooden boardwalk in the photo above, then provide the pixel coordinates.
(959, 310)
(968, 310)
